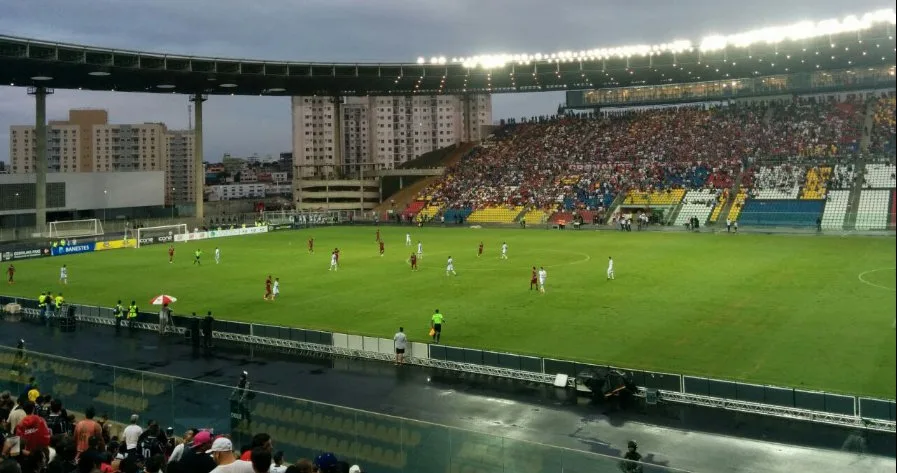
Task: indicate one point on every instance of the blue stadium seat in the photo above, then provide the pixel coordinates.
(791, 212)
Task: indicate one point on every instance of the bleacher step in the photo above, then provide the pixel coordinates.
(853, 201)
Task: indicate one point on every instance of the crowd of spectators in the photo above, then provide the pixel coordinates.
(39, 435)
(883, 137)
(583, 162)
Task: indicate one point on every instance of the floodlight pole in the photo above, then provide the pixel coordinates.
(199, 174)
(40, 158)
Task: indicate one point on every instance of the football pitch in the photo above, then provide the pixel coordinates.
(813, 312)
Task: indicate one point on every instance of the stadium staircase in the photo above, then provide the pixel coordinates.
(868, 123)
(618, 200)
(533, 216)
(853, 201)
(724, 207)
(405, 197)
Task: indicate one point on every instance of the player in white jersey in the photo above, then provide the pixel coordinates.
(504, 250)
(334, 265)
(217, 255)
(450, 267)
(420, 250)
(64, 275)
(407, 239)
(610, 268)
(543, 275)
(276, 290)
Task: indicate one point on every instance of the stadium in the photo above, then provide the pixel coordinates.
(705, 230)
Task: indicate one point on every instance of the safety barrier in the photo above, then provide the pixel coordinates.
(813, 406)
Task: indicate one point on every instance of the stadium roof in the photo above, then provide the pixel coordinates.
(28, 62)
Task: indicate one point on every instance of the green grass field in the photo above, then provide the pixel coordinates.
(804, 311)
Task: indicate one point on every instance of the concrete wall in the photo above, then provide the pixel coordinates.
(84, 190)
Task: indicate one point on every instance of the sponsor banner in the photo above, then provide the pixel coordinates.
(73, 249)
(280, 226)
(115, 244)
(220, 233)
(13, 255)
(158, 239)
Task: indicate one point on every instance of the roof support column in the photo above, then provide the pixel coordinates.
(199, 174)
(40, 157)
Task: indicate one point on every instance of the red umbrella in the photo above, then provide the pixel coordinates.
(163, 300)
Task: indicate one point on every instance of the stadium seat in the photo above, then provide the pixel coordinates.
(718, 208)
(815, 183)
(874, 209)
(880, 176)
(428, 212)
(698, 203)
(495, 215)
(835, 210)
(779, 212)
(535, 216)
(664, 197)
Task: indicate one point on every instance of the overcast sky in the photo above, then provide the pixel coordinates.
(356, 30)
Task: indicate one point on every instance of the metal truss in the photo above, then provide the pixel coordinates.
(840, 420)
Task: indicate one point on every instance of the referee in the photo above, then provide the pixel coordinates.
(436, 324)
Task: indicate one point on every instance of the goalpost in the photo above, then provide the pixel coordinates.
(76, 228)
(160, 234)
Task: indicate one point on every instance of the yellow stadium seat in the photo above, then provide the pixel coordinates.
(500, 214)
(665, 197)
(814, 184)
(735, 211)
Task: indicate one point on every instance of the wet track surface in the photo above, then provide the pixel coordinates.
(690, 438)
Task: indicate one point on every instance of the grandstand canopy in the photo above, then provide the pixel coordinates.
(27, 62)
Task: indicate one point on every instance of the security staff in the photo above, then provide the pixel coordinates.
(132, 314)
(207, 332)
(118, 311)
(59, 300)
(42, 304)
(195, 332)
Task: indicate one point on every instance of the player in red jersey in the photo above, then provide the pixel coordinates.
(268, 289)
(413, 262)
(533, 280)
(378, 235)
(480, 250)
(170, 254)
(381, 248)
(336, 252)
(11, 274)
(311, 245)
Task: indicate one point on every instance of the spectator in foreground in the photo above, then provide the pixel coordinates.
(195, 458)
(88, 428)
(33, 430)
(278, 466)
(222, 452)
(261, 460)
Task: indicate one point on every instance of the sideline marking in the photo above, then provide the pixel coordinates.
(860, 277)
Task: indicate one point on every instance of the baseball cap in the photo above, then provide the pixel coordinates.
(325, 460)
(201, 438)
(355, 469)
(221, 444)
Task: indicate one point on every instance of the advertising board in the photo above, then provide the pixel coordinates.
(12, 255)
(73, 249)
(115, 244)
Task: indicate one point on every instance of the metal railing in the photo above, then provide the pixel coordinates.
(299, 427)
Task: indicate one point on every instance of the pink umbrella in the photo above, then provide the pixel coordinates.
(163, 300)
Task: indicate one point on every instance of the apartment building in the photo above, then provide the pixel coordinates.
(386, 131)
(87, 142)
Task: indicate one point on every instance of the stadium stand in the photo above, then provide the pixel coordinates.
(698, 203)
(835, 210)
(882, 136)
(880, 176)
(873, 210)
(567, 165)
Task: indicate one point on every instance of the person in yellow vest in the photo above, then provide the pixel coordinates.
(59, 300)
(118, 311)
(132, 314)
(42, 304)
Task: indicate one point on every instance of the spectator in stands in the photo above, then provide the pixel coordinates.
(86, 429)
(302, 466)
(259, 441)
(16, 414)
(57, 419)
(195, 459)
(154, 464)
(131, 434)
(32, 430)
(261, 460)
(278, 466)
(66, 452)
(222, 452)
(178, 452)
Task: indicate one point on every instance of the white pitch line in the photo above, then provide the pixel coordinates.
(860, 277)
